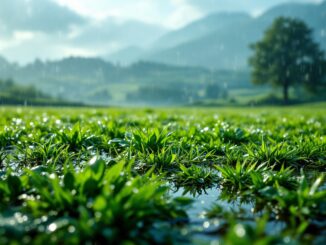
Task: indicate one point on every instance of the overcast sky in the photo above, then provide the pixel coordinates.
(170, 13)
(51, 29)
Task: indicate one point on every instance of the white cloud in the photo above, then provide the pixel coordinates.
(26, 46)
(15, 39)
(50, 31)
(23, 35)
(168, 13)
(251, 6)
(37, 15)
(183, 13)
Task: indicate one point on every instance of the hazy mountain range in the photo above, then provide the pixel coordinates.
(214, 49)
(221, 40)
(117, 34)
(95, 81)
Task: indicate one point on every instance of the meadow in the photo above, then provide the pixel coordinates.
(163, 176)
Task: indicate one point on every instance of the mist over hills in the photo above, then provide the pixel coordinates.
(221, 41)
(112, 33)
(95, 81)
(200, 28)
(211, 51)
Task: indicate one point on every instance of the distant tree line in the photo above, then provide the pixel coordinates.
(9, 88)
(95, 81)
(14, 94)
(162, 94)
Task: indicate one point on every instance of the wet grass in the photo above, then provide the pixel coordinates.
(136, 176)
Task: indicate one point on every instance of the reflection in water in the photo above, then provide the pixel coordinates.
(205, 230)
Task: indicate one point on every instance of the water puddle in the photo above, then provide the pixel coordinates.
(208, 231)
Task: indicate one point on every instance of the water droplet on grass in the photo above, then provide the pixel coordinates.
(239, 230)
(52, 227)
(206, 224)
(71, 229)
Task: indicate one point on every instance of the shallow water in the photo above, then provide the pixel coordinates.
(207, 199)
(207, 231)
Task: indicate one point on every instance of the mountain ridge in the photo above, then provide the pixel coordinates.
(228, 45)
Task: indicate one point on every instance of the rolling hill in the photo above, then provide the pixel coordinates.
(221, 41)
(228, 47)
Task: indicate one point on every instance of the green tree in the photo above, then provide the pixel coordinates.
(287, 55)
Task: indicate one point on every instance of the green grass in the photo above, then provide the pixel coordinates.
(71, 176)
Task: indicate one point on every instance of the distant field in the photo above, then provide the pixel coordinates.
(163, 176)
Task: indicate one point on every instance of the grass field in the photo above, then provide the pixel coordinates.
(163, 176)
